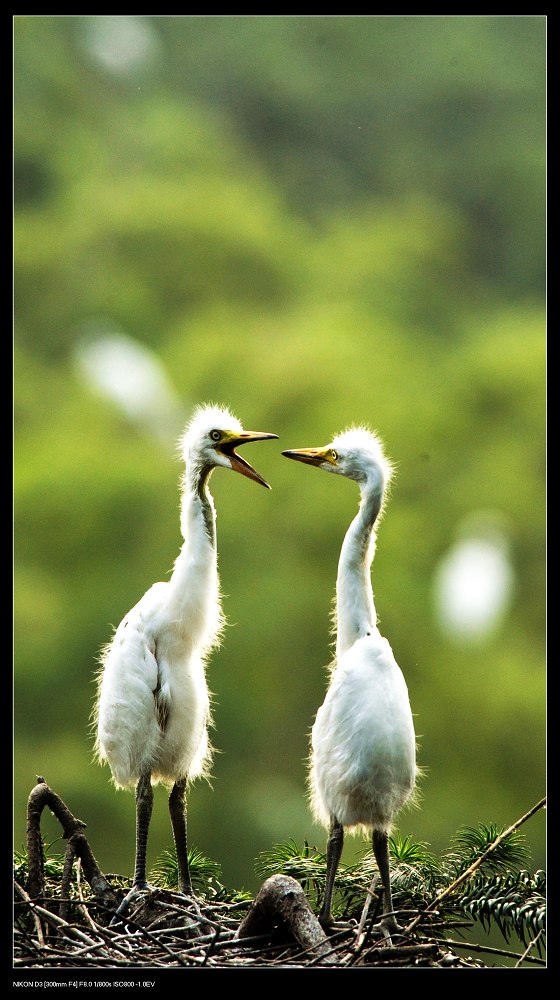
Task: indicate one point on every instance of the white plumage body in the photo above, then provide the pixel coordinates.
(152, 711)
(362, 763)
(362, 766)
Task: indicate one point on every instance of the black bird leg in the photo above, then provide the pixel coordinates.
(388, 922)
(178, 816)
(335, 844)
(144, 804)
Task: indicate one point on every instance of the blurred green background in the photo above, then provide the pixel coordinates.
(316, 221)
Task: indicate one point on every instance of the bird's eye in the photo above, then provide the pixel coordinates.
(215, 435)
(334, 455)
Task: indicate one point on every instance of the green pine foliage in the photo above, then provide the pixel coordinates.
(515, 903)
(206, 876)
(500, 894)
(204, 873)
(471, 843)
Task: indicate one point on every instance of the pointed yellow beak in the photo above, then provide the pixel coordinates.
(239, 464)
(311, 456)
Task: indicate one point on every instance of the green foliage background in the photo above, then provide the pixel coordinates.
(316, 220)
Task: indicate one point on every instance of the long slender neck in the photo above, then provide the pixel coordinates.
(197, 500)
(194, 586)
(355, 609)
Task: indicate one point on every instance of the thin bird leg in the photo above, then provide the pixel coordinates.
(144, 803)
(179, 823)
(178, 814)
(388, 922)
(335, 843)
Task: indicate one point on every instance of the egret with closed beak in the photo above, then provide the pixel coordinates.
(362, 764)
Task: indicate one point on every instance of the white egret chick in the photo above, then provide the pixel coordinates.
(153, 707)
(362, 766)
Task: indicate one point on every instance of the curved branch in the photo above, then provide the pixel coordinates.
(78, 846)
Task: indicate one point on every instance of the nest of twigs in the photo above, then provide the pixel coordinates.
(164, 932)
(66, 919)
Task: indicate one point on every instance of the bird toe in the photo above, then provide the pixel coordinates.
(134, 895)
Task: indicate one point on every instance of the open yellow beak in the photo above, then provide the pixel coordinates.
(239, 464)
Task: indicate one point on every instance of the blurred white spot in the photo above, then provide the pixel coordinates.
(131, 376)
(474, 581)
(120, 42)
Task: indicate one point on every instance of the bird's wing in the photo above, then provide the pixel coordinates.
(131, 710)
(162, 704)
(134, 666)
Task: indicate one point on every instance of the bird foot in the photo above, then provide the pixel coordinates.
(389, 928)
(135, 895)
(188, 900)
(145, 894)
